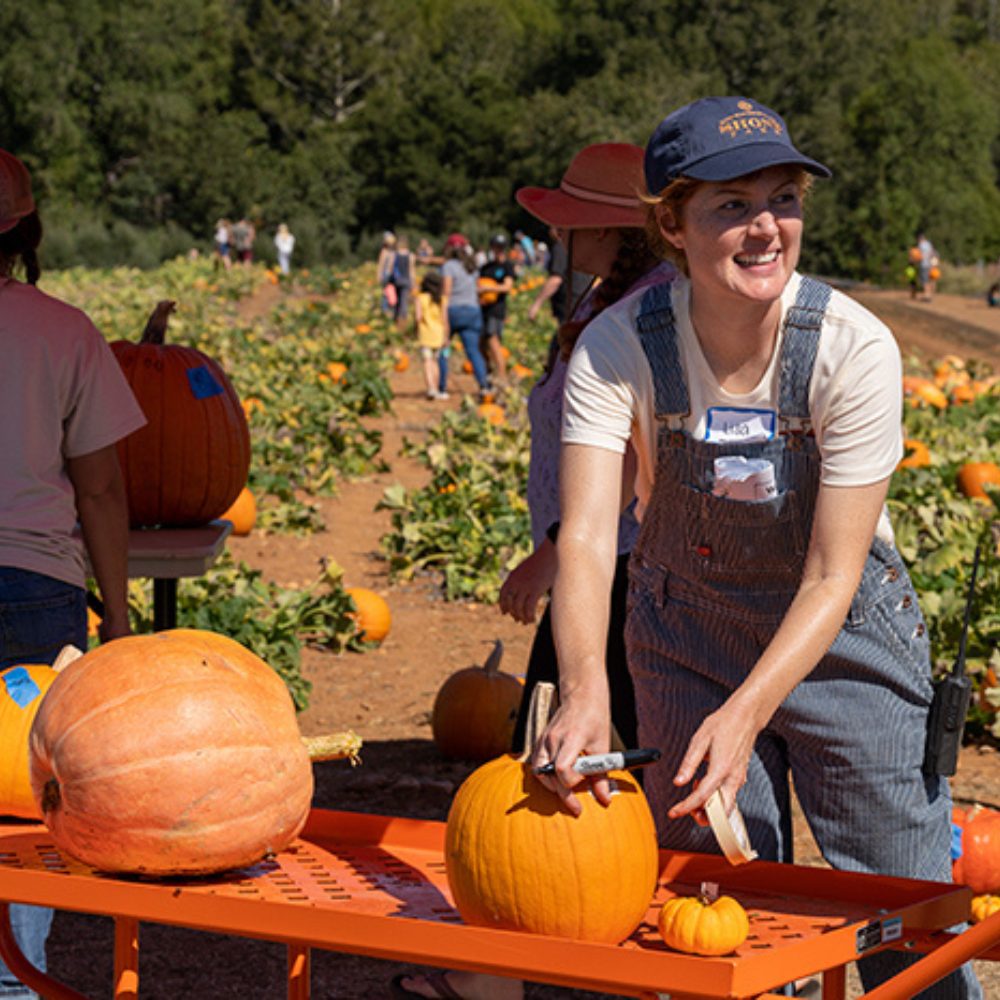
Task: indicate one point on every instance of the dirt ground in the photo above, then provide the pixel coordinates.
(386, 696)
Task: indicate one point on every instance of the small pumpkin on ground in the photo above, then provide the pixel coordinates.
(243, 513)
(492, 412)
(191, 459)
(373, 616)
(973, 476)
(402, 362)
(701, 925)
(917, 455)
(476, 709)
(176, 753)
(336, 370)
(517, 860)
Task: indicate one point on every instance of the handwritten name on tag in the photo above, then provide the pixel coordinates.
(725, 425)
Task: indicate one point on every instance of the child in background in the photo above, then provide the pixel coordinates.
(432, 330)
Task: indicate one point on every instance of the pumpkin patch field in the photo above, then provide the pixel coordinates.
(379, 525)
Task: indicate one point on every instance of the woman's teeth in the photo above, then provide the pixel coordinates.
(753, 259)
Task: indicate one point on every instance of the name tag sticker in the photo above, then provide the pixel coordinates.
(203, 383)
(728, 424)
(21, 689)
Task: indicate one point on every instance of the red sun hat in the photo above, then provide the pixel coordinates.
(16, 200)
(599, 189)
(456, 240)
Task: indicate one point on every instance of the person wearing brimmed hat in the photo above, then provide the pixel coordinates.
(598, 201)
(772, 626)
(63, 405)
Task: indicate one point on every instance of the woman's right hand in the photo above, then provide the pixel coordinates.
(528, 583)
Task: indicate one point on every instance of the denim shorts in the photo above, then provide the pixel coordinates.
(38, 616)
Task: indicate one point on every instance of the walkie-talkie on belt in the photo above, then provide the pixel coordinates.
(952, 693)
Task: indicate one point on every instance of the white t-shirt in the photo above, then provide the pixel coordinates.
(855, 397)
(64, 395)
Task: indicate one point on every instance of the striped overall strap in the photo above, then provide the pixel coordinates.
(657, 330)
(798, 350)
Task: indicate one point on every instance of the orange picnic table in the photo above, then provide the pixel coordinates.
(376, 885)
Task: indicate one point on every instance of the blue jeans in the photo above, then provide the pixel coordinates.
(38, 616)
(467, 322)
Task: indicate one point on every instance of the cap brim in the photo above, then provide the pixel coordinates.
(556, 208)
(748, 159)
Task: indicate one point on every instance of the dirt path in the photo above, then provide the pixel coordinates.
(386, 695)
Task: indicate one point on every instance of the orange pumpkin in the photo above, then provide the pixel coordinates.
(475, 710)
(696, 925)
(372, 615)
(191, 459)
(492, 412)
(974, 475)
(402, 362)
(169, 754)
(983, 907)
(337, 370)
(22, 689)
(517, 860)
(243, 513)
(917, 455)
(978, 867)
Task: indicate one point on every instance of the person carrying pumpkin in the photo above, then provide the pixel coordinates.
(597, 207)
(63, 405)
(496, 281)
(772, 627)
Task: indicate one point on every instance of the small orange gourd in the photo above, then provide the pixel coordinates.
(475, 710)
(700, 926)
(983, 907)
(972, 476)
(518, 860)
(492, 412)
(373, 616)
(336, 370)
(243, 513)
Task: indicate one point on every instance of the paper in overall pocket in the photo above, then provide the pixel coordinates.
(739, 478)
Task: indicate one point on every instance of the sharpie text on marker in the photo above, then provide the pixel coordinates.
(600, 763)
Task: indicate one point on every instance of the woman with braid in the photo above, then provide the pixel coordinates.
(599, 216)
(63, 404)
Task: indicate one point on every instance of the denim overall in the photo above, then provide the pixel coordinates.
(710, 580)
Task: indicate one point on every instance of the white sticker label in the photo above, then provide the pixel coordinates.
(726, 424)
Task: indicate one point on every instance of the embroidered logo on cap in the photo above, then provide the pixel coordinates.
(747, 122)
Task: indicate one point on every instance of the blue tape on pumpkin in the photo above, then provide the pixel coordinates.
(956, 842)
(21, 689)
(203, 383)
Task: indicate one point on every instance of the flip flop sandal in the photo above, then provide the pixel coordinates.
(437, 981)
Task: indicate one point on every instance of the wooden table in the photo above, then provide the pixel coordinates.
(377, 886)
(167, 554)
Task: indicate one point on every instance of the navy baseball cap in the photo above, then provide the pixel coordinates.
(717, 139)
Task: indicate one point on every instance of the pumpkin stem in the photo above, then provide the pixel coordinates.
(543, 700)
(66, 656)
(334, 746)
(492, 664)
(156, 325)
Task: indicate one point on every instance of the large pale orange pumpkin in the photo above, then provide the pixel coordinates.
(979, 864)
(516, 859)
(373, 616)
(22, 689)
(974, 475)
(189, 462)
(170, 754)
(475, 710)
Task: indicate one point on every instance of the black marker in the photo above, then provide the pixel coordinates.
(601, 763)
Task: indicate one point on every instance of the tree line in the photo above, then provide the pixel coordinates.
(144, 121)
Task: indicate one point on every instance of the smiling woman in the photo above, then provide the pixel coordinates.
(772, 628)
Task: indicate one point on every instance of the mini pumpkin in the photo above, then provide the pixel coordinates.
(373, 616)
(917, 455)
(983, 907)
(700, 926)
(516, 859)
(973, 476)
(243, 513)
(475, 710)
(492, 412)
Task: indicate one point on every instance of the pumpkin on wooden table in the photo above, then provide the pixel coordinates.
(475, 710)
(517, 859)
(176, 753)
(189, 462)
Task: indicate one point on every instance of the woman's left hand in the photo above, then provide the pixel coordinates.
(528, 583)
(724, 741)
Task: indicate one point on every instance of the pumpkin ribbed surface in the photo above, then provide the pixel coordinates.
(696, 926)
(517, 860)
(21, 691)
(170, 754)
(978, 866)
(189, 462)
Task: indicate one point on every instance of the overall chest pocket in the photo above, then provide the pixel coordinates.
(758, 540)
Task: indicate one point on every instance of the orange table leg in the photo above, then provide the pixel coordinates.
(835, 983)
(126, 958)
(33, 978)
(298, 972)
